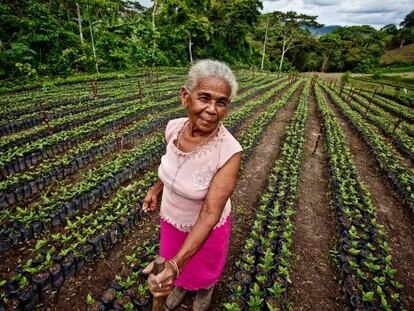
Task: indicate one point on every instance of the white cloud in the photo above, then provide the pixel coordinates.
(340, 12)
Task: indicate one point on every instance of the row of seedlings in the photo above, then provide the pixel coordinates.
(58, 97)
(93, 245)
(129, 289)
(399, 122)
(250, 138)
(263, 268)
(83, 240)
(14, 108)
(26, 184)
(33, 123)
(391, 106)
(27, 223)
(382, 120)
(364, 255)
(9, 126)
(401, 176)
(18, 159)
(67, 123)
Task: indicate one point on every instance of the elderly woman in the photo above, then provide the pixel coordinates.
(197, 175)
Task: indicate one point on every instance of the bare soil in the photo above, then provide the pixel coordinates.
(315, 279)
(397, 219)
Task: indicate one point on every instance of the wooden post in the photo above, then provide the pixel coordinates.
(140, 91)
(45, 118)
(350, 94)
(159, 266)
(122, 142)
(370, 100)
(396, 125)
(321, 129)
(94, 86)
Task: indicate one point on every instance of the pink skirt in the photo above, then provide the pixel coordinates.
(205, 267)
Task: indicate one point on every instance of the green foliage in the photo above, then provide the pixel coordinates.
(42, 38)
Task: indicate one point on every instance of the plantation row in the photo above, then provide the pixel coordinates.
(46, 257)
(68, 200)
(401, 176)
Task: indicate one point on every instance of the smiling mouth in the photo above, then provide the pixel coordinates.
(209, 121)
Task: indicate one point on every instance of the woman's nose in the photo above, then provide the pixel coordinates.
(212, 107)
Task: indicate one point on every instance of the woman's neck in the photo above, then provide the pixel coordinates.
(195, 132)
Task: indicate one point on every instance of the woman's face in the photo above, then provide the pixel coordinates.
(207, 103)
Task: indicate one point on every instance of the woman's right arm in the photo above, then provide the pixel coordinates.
(151, 198)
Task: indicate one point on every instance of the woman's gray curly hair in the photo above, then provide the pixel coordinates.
(206, 68)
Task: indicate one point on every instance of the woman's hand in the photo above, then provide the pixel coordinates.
(151, 198)
(161, 284)
(150, 201)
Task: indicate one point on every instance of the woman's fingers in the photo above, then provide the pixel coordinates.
(150, 202)
(157, 288)
(148, 268)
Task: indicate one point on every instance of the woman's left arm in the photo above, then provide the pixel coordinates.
(221, 188)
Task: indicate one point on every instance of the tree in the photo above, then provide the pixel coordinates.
(189, 19)
(330, 44)
(408, 21)
(270, 25)
(291, 30)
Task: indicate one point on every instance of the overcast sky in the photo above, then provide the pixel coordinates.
(376, 13)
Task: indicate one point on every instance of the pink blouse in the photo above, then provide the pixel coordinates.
(187, 179)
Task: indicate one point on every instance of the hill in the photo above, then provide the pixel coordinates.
(323, 30)
(404, 54)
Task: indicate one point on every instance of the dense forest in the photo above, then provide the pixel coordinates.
(62, 37)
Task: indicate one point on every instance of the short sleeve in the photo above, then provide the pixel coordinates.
(229, 147)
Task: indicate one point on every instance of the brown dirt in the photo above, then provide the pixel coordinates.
(262, 108)
(96, 277)
(249, 188)
(314, 276)
(392, 213)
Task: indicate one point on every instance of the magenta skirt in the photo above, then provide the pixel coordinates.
(205, 267)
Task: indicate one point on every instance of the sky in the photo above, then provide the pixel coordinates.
(376, 13)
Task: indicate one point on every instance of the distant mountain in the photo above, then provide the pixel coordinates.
(323, 30)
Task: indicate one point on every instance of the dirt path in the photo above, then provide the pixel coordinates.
(314, 277)
(262, 108)
(398, 221)
(249, 188)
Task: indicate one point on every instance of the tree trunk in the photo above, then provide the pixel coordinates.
(93, 47)
(153, 31)
(264, 44)
(402, 43)
(281, 59)
(325, 61)
(80, 24)
(189, 49)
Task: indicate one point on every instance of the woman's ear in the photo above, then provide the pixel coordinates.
(185, 94)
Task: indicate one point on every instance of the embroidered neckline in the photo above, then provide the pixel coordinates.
(202, 150)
